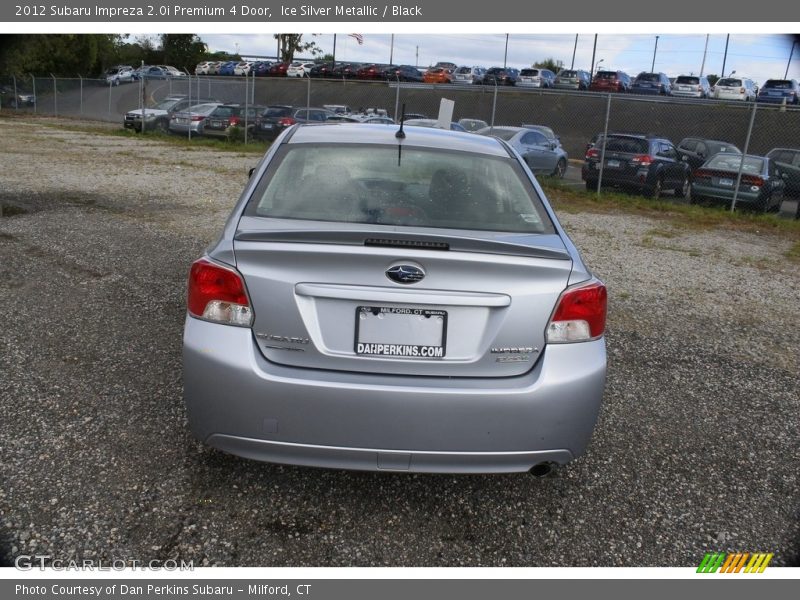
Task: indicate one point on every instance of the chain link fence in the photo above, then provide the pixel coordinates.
(575, 117)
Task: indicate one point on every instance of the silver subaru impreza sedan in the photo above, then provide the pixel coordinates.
(394, 299)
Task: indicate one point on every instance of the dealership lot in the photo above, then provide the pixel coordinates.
(695, 450)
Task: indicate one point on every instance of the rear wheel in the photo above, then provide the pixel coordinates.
(655, 190)
(591, 186)
(684, 190)
(560, 169)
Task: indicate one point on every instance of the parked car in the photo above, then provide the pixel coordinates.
(691, 86)
(695, 151)
(226, 116)
(405, 73)
(539, 153)
(539, 78)
(573, 79)
(611, 81)
(191, 120)
(432, 123)
(779, 91)
(787, 161)
(544, 130)
(153, 72)
(260, 68)
(472, 124)
(500, 76)
(204, 68)
(450, 66)
(373, 71)
(327, 252)
(652, 83)
(468, 75)
(242, 68)
(299, 69)
(322, 70)
(158, 116)
(761, 186)
(438, 75)
(119, 74)
(735, 88)
(228, 68)
(644, 163)
(278, 69)
(214, 66)
(20, 100)
(275, 119)
(346, 70)
(172, 72)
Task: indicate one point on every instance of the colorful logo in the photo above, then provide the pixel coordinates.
(734, 562)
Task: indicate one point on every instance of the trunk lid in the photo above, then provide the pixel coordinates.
(322, 297)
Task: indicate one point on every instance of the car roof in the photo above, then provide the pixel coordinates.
(428, 137)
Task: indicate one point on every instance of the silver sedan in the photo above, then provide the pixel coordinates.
(191, 120)
(387, 302)
(543, 155)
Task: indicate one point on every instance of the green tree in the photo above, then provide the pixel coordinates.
(65, 55)
(289, 43)
(183, 50)
(550, 63)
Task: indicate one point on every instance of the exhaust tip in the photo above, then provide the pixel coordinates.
(542, 469)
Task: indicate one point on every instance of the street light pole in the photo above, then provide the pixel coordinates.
(725, 56)
(655, 49)
(594, 50)
(574, 48)
(505, 55)
(786, 74)
(705, 51)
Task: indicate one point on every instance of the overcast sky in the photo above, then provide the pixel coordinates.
(760, 57)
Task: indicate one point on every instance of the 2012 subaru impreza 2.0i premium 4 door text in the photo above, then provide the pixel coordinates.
(394, 301)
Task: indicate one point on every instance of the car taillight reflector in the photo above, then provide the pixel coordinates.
(217, 294)
(643, 159)
(752, 180)
(580, 314)
(286, 121)
(592, 153)
(234, 121)
(197, 117)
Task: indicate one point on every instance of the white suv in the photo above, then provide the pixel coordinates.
(299, 69)
(735, 88)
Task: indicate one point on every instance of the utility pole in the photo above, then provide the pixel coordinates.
(705, 51)
(594, 50)
(725, 57)
(505, 55)
(791, 53)
(334, 51)
(653, 66)
(416, 64)
(574, 48)
(391, 51)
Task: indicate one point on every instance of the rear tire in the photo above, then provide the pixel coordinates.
(561, 168)
(654, 192)
(685, 190)
(591, 186)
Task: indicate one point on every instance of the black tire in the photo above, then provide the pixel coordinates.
(591, 186)
(655, 190)
(685, 190)
(560, 169)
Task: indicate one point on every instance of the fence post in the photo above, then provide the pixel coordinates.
(141, 96)
(308, 93)
(494, 106)
(397, 98)
(109, 99)
(246, 106)
(55, 96)
(16, 96)
(603, 149)
(189, 111)
(35, 99)
(81, 78)
(744, 153)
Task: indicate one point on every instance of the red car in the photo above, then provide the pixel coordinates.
(374, 71)
(278, 69)
(611, 81)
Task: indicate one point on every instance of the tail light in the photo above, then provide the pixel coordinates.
(742, 90)
(643, 160)
(701, 174)
(592, 154)
(752, 180)
(234, 121)
(197, 117)
(580, 314)
(217, 294)
(286, 121)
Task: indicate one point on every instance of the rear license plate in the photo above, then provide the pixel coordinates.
(181, 121)
(728, 182)
(614, 164)
(266, 126)
(400, 332)
(216, 124)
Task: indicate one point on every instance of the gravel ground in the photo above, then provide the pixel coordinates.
(696, 447)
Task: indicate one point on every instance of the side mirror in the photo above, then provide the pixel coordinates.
(552, 145)
(250, 172)
(685, 158)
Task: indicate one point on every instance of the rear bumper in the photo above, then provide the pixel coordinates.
(241, 403)
(745, 196)
(688, 94)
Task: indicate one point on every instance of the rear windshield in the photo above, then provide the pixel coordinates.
(167, 104)
(778, 84)
(606, 75)
(428, 188)
(277, 111)
(629, 145)
(725, 162)
(226, 111)
(464, 70)
(529, 72)
(728, 82)
(687, 79)
(654, 77)
(568, 74)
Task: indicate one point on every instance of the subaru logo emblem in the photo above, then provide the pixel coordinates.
(405, 274)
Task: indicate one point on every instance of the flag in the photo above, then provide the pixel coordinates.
(358, 36)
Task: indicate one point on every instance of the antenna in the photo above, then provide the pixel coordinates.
(400, 133)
